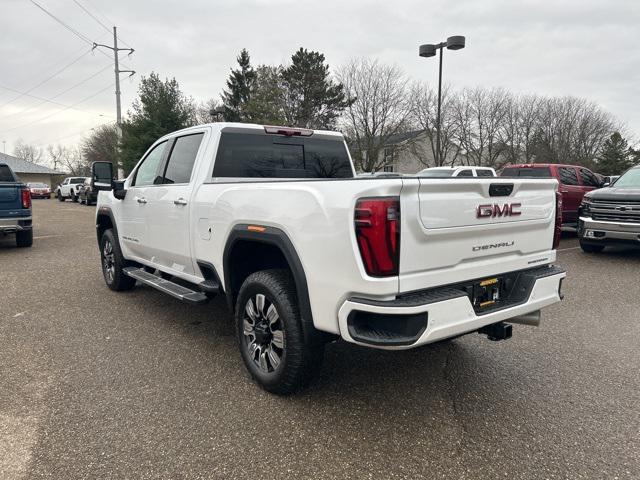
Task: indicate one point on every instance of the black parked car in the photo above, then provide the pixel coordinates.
(87, 193)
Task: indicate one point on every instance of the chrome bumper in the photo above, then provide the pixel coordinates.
(12, 225)
(600, 230)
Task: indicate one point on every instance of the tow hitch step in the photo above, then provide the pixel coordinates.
(166, 286)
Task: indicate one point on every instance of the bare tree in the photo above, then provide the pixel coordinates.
(70, 159)
(28, 152)
(479, 115)
(424, 106)
(379, 109)
(205, 111)
(100, 146)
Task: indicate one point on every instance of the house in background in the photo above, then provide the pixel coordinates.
(30, 172)
(411, 152)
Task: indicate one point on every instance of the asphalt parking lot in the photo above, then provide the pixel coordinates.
(98, 384)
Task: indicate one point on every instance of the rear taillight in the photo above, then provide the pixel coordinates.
(377, 224)
(558, 227)
(26, 198)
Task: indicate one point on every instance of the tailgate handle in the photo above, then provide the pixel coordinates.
(500, 189)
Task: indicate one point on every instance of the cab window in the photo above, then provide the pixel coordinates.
(588, 178)
(147, 173)
(568, 176)
(465, 173)
(183, 156)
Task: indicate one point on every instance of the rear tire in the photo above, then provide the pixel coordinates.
(270, 336)
(589, 248)
(24, 238)
(113, 263)
(74, 197)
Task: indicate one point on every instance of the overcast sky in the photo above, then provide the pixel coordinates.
(585, 48)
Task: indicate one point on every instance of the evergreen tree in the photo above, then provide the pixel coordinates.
(266, 105)
(238, 93)
(615, 156)
(160, 108)
(311, 98)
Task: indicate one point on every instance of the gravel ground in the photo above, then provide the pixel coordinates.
(98, 384)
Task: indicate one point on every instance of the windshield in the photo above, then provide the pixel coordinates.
(631, 179)
(436, 173)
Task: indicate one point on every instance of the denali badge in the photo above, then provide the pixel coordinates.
(493, 245)
(495, 210)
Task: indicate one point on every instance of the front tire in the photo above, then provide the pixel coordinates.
(270, 336)
(59, 196)
(589, 248)
(113, 263)
(24, 238)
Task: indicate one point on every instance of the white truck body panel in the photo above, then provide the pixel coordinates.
(439, 233)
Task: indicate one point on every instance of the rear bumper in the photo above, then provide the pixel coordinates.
(599, 232)
(12, 225)
(437, 314)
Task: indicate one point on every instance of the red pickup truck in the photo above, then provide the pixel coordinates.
(574, 182)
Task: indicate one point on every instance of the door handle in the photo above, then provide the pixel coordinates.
(141, 200)
(180, 201)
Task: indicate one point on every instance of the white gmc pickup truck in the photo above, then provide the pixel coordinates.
(305, 252)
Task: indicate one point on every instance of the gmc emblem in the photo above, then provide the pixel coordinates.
(495, 210)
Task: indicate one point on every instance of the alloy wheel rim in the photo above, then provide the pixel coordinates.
(263, 333)
(108, 261)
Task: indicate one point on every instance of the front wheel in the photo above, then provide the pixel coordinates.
(270, 336)
(113, 263)
(589, 248)
(59, 196)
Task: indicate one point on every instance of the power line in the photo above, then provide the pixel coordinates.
(50, 100)
(60, 111)
(81, 36)
(53, 75)
(91, 15)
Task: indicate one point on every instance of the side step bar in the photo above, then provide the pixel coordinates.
(166, 286)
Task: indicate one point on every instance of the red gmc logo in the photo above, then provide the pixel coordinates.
(495, 210)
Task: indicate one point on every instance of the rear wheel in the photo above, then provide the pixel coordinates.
(113, 263)
(589, 248)
(24, 238)
(74, 197)
(270, 336)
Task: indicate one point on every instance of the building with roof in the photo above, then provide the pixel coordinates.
(29, 172)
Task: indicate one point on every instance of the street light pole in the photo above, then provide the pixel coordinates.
(429, 50)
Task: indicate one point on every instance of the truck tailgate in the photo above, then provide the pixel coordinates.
(455, 230)
(10, 199)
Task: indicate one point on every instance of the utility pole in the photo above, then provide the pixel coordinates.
(117, 71)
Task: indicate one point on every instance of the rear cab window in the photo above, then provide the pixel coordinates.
(252, 154)
(527, 172)
(6, 175)
(482, 172)
(465, 173)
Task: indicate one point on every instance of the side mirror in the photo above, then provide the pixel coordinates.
(605, 184)
(102, 175)
(118, 189)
